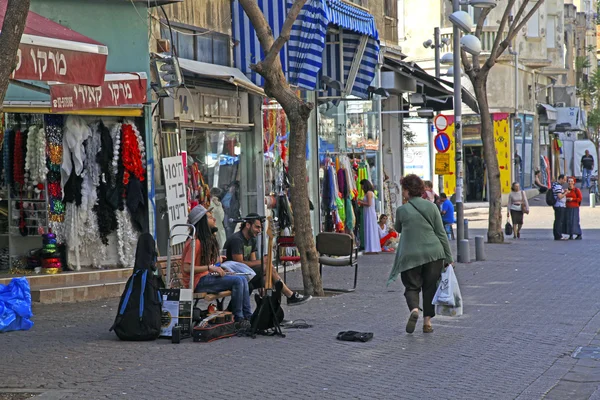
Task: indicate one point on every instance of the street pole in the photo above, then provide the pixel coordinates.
(460, 227)
(436, 38)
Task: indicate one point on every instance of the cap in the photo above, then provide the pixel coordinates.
(197, 213)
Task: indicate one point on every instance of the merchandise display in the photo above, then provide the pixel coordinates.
(72, 183)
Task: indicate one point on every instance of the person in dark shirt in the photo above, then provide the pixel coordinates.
(587, 166)
(242, 247)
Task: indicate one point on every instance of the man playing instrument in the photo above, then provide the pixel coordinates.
(242, 247)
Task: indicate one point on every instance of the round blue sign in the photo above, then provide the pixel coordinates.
(442, 142)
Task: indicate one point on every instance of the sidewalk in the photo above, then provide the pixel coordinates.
(527, 310)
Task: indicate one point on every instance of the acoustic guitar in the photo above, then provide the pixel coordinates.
(268, 313)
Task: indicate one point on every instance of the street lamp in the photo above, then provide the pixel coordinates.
(462, 21)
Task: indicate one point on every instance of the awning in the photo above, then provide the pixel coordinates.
(547, 113)
(437, 90)
(52, 52)
(303, 56)
(307, 44)
(227, 74)
(117, 90)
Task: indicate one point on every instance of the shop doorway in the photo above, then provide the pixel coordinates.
(475, 182)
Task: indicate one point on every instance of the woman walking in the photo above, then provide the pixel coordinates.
(423, 251)
(208, 275)
(571, 224)
(517, 206)
(371, 228)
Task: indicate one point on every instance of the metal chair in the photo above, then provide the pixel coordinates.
(337, 250)
(285, 242)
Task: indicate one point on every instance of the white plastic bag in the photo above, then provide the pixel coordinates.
(445, 291)
(453, 306)
(240, 268)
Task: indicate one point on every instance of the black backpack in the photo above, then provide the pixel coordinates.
(140, 308)
(550, 199)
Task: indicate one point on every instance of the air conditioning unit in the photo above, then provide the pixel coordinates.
(561, 104)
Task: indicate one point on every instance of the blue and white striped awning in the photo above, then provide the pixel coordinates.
(303, 59)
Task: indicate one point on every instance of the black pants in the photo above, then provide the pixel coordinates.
(422, 278)
(559, 217)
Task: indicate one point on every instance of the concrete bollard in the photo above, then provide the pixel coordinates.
(592, 200)
(479, 248)
(466, 229)
(465, 256)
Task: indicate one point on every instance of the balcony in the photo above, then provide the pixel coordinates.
(487, 39)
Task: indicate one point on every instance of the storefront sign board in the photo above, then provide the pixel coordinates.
(117, 90)
(442, 163)
(46, 64)
(174, 174)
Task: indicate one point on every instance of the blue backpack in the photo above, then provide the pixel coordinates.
(140, 308)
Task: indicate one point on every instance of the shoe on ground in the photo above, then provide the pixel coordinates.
(243, 325)
(297, 299)
(578, 237)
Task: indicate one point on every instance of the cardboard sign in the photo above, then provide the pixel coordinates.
(442, 163)
(174, 173)
(176, 310)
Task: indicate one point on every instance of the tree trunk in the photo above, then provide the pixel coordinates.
(495, 234)
(10, 37)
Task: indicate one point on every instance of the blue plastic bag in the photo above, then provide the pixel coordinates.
(15, 306)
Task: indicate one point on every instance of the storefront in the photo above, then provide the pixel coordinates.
(209, 122)
(74, 179)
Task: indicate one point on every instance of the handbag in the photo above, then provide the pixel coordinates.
(524, 207)
(508, 229)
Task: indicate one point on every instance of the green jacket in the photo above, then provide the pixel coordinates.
(420, 243)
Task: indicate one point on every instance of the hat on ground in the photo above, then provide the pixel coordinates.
(197, 213)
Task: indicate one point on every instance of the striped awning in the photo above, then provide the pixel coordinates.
(303, 57)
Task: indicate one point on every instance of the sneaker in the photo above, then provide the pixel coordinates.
(297, 298)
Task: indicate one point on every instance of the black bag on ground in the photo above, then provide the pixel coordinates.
(140, 308)
(550, 199)
(508, 229)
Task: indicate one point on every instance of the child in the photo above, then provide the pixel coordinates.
(386, 235)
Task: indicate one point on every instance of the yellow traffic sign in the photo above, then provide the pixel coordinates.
(442, 163)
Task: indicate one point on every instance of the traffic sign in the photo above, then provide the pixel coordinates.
(442, 142)
(442, 164)
(440, 122)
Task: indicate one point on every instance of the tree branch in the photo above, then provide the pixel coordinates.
(468, 66)
(492, 58)
(10, 38)
(522, 23)
(284, 35)
(478, 30)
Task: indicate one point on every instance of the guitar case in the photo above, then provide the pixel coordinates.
(264, 316)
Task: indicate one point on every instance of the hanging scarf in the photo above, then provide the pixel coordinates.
(76, 132)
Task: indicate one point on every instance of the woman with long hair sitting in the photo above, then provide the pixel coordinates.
(209, 277)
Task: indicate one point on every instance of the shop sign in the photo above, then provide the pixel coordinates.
(442, 163)
(117, 90)
(49, 64)
(174, 174)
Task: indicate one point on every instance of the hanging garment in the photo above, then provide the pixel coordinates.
(76, 132)
(341, 178)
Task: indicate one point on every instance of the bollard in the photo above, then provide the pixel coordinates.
(479, 248)
(592, 200)
(466, 233)
(465, 257)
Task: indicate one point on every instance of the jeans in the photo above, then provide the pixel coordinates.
(240, 296)
(587, 174)
(559, 217)
(422, 278)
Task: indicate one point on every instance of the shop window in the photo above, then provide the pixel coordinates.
(199, 44)
(219, 108)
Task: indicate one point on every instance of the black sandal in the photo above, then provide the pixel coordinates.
(412, 322)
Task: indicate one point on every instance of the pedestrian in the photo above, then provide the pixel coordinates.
(387, 235)
(422, 253)
(587, 166)
(571, 223)
(517, 207)
(447, 211)
(371, 230)
(559, 207)
(219, 214)
(429, 193)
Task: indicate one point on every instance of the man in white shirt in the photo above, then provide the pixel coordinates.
(559, 207)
